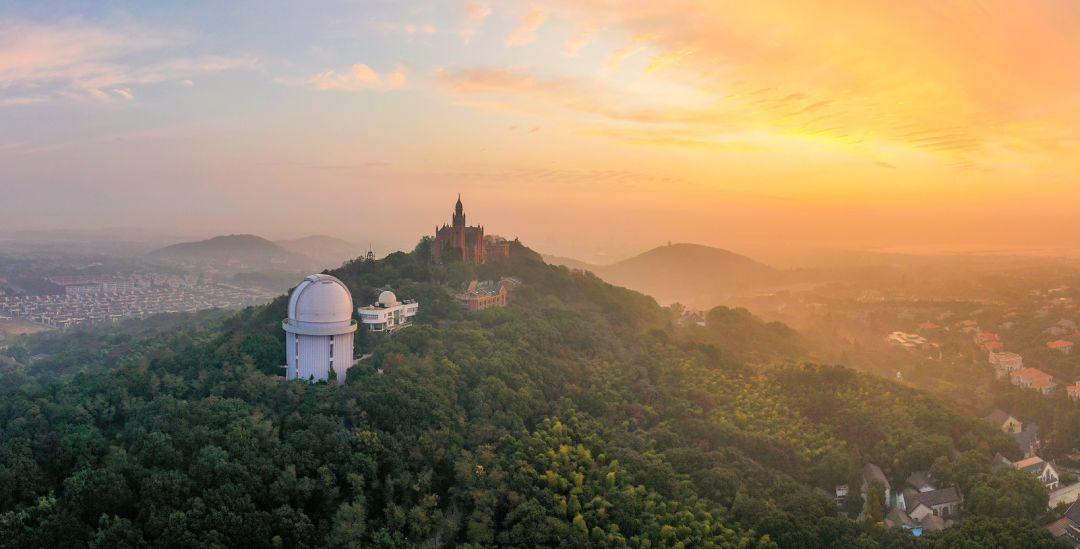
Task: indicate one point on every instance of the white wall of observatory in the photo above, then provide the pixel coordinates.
(310, 357)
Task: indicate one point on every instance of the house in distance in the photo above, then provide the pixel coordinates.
(487, 294)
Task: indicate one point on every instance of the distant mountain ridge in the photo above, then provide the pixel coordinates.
(253, 252)
(692, 274)
(224, 248)
(327, 250)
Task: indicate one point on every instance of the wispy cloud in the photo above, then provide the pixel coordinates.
(75, 59)
(579, 40)
(525, 33)
(410, 30)
(928, 78)
(475, 14)
(359, 77)
(506, 90)
(636, 45)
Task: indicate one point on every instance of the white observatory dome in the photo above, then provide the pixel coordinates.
(321, 298)
(387, 299)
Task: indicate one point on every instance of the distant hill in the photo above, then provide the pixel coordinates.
(328, 251)
(695, 275)
(234, 252)
(570, 263)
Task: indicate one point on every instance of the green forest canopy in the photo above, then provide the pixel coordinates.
(580, 415)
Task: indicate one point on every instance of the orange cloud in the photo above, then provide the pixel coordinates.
(75, 59)
(525, 33)
(638, 44)
(966, 83)
(579, 40)
(360, 77)
(475, 14)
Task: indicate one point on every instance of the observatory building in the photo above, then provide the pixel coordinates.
(319, 330)
(388, 314)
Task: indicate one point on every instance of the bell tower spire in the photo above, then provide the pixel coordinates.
(459, 213)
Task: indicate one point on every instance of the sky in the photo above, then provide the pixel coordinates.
(589, 128)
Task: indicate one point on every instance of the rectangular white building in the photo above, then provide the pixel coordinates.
(388, 314)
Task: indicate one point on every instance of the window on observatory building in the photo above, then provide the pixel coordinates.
(331, 349)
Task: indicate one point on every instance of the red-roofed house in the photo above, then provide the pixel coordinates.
(1044, 386)
(1034, 378)
(1074, 391)
(1062, 346)
(993, 346)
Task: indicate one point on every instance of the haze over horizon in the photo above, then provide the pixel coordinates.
(584, 128)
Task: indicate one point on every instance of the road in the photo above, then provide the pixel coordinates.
(1065, 494)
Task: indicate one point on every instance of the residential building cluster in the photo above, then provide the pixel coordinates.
(115, 284)
(95, 307)
(1009, 365)
(1027, 440)
(1067, 528)
(922, 504)
(919, 506)
(906, 340)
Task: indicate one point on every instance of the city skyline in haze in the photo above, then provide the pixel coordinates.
(580, 127)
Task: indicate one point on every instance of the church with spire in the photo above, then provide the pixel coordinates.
(469, 244)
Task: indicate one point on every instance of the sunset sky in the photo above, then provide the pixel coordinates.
(585, 127)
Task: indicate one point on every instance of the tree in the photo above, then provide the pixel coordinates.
(986, 532)
(875, 502)
(1008, 494)
(349, 527)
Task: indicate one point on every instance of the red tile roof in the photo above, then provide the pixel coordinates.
(1042, 384)
(1032, 374)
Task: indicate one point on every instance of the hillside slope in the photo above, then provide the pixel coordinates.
(232, 252)
(580, 415)
(692, 274)
(328, 251)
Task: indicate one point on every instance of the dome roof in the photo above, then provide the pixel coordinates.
(387, 299)
(321, 298)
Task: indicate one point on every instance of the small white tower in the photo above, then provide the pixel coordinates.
(319, 330)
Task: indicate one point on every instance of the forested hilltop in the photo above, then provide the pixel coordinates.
(580, 415)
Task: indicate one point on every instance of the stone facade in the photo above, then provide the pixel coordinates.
(458, 240)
